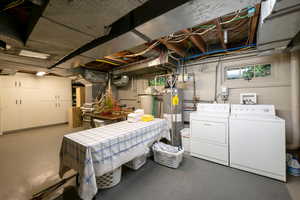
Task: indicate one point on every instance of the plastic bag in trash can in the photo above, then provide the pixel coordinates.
(293, 165)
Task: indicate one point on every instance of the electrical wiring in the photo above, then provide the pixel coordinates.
(219, 52)
(181, 37)
(231, 20)
(190, 34)
(13, 4)
(144, 51)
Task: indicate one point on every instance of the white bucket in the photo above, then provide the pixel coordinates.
(185, 139)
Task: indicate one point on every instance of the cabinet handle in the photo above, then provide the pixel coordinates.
(16, 101)
(20, 84)
(15, 83)
(20, 101)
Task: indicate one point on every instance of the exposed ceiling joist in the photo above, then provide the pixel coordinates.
(197, 40)
(175, 47)
(220, 33)
(253, 25)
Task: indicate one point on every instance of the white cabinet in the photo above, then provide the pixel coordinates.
(11, 103)
(27, 101)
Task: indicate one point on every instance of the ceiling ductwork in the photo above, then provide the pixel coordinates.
(9, 31)
(141, 24)
(162, 63)
(121, 81)
(91, 76)
(279, 23)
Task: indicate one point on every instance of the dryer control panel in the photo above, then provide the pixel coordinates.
(213, 108)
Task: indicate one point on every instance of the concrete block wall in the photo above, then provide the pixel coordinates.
(270, 90)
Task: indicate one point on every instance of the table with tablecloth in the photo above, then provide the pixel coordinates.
(97, 151)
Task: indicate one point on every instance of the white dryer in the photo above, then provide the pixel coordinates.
(209, 132)
(257, 140)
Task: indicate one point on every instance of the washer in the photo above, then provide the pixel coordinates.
(209, 132)
(257, 140)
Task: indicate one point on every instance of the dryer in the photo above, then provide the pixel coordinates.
(257, 140)
(209, 132)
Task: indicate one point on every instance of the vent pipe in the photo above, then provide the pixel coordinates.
(295, 99)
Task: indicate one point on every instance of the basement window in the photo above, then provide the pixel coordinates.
(248, 72)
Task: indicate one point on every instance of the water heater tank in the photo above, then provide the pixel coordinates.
(173, 108)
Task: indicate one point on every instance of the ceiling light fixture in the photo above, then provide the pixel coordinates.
(41, 73)
(33, 54)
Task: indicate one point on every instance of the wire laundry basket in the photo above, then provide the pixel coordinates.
(109, 179)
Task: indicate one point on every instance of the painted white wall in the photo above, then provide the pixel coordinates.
(129, 94)
(270, 90)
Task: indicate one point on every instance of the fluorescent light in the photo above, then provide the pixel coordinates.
(33, 54)
(41, 73)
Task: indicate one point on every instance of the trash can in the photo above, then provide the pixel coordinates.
(185, 140)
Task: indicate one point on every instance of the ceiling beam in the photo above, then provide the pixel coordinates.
(253, 25)
(197, 40)
(220, 33)
(175, 47)
(135, 18)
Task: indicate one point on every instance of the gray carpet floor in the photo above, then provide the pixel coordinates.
(195, 179)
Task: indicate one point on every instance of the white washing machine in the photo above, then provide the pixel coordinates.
(257, 140)
(209, 132)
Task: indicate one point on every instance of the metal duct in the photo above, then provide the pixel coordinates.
(9, 31)
(122, 81)
(91, 76)
(167, 16)
(275, 14)
(149, 66)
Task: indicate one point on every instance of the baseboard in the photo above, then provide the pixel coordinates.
(25, 129)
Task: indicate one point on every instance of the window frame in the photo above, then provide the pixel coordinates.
(240, 67)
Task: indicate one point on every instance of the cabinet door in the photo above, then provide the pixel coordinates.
(8, 82)
(28, 82)
(30, 107)
(10, 109)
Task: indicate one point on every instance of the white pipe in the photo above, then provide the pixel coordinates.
(295, 99)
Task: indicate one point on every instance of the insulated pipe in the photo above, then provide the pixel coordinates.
(295, 99)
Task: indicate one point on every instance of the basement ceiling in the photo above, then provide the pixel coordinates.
(241, 27)
(67, 25)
